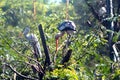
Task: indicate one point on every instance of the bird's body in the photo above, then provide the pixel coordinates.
(102, 12)
(66, 26)
(33, 40)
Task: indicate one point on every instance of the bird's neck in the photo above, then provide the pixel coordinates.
(59, 35)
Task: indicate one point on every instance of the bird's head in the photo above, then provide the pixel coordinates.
(26, 30)
(67, 25)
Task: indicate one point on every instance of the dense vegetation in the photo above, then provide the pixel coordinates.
(90, 58)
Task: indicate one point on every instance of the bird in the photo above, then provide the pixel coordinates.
(102, 12)
(67, 26)
(33, 40)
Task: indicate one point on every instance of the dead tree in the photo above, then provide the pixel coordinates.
(105, 21)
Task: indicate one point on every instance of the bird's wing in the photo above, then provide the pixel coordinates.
(36, 44)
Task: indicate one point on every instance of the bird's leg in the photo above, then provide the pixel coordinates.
(57, 41)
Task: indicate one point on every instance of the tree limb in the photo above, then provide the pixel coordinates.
(20, 73)
(66, 58)
(47, 59)
(104, 22)
(118, 9)
(95, 14)
(37, 67)
(18, 51)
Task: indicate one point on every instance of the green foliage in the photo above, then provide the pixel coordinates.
(90, 50)
(63, 74)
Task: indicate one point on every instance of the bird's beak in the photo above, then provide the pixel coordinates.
(56, 44)
(57, 39)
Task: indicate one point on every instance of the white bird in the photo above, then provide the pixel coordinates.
(33, 40)
(102, 12)
(66, 26)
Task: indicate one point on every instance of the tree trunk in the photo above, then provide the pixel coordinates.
(47, 60)
(110, 26)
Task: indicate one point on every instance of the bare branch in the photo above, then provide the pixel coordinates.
(20, 73)
(38, 67)
(47, 59)
(93, 11)
(118, 9)
(18, 51)
(66, 58)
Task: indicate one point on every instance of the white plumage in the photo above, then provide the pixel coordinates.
(33, 40)
(102, 11)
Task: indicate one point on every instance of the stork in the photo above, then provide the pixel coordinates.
(33, 40)
(66, 26)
